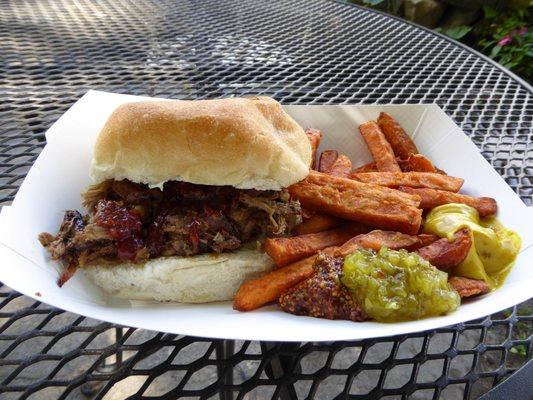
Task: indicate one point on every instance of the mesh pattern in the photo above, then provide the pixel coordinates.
(298, 52)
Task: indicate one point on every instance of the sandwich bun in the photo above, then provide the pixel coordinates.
(248, 143)
(196, 279)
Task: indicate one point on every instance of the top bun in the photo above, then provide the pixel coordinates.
(248, 143)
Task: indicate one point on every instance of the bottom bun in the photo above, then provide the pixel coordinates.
(197, 279)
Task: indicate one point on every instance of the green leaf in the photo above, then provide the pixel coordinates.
(495, 50)
(489, 12)
(373, 2)
(520, 349)
(457, 32)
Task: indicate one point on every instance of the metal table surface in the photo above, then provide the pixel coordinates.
(316, 51)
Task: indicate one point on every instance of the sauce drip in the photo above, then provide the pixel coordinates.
(123, 225)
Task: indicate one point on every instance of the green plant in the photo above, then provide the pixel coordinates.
(504, 35)
(507, 38)
(389, 6)
(457, 32)
(522, 329)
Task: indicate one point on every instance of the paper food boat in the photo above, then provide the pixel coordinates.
(60, 174)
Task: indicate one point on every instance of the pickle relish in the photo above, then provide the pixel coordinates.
(397, 285)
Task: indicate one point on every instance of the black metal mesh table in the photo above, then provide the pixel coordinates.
(315, 51)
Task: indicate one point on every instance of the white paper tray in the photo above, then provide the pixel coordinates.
(60, 174)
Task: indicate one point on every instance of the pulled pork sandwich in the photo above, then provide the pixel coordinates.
(183, 191)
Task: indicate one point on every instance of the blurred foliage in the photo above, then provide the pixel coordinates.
(522, 329)
(506, 37)
(390, 6)
(457, 32)
(504, 34)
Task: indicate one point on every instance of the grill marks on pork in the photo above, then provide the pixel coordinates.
(129, 221)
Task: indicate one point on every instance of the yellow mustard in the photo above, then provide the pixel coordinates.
(494, 248)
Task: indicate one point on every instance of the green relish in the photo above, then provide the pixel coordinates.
(397, 285)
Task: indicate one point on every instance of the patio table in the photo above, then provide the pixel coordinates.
(312, 52)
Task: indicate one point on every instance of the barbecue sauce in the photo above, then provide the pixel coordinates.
(123, 225)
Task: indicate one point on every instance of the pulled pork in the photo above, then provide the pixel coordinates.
(131, 222)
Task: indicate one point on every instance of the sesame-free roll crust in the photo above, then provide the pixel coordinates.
(248, 143)
(197, 279)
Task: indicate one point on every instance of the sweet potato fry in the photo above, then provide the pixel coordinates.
(342, 167)
(379, 147)
(467, 287)
(288, 250)
(401, 143)
(306, 214)
(420, 241)
(314, 136)
(368, 167)
(404, 166)
(410, 179)
(375, 240)
(444, 254)
(431, 198)
(318, 223)
(419, 163)
(425, 240)
(327, 158)
(258, 292)
(369, 204)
